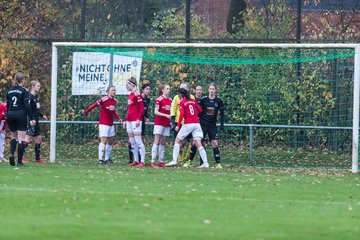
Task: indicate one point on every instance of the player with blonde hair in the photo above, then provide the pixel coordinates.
(161, 125)
(133, 123)
(106, 124)
(34, 131)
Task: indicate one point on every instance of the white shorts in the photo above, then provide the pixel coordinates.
(193, 128)
(106, 131)
(161, 130)
(131, 127)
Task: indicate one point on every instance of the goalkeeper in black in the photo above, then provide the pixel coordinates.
(212, 105)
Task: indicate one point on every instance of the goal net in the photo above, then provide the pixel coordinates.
(286, 105)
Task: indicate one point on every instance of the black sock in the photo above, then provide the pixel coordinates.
(131, 155)
(216, 154)
(192, 152)
(13, 144)
(21, 148)
(37, 152)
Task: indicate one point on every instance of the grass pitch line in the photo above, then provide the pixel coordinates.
(20, 189)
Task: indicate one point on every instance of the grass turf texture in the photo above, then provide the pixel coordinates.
(230, 156)
(45, 201)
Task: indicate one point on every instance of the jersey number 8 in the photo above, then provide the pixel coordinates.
(191, 108)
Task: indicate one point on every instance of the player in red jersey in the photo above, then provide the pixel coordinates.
(161, 125)
(3, 124)
(133, 123)
(145, 89)
(189, 110)
(106, 123)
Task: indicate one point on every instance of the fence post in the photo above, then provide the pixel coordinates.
(188, 19)
(83, 20)
(251, 144)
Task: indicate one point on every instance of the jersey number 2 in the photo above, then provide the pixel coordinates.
(14, 101)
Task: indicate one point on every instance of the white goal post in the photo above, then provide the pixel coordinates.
(356, 90)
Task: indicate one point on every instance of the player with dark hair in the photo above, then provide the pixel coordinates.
(133, 122)
(198, 97)
(189, 110)
(161, 125)
(106, 123)
(34, 131)
(145, 91)
(175, 114)
(211, 106)
(18, 113)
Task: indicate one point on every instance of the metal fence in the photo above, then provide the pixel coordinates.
(184, 20)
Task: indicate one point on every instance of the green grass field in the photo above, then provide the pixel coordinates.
(118, 202)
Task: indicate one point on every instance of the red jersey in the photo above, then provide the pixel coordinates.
(2, 115)
(107, 110)
(189, 110)
(164, 106)
(135, 107)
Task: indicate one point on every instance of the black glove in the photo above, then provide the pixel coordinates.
(173, 126)
(173, 123)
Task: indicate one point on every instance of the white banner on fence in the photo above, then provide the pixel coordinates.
(91, 72)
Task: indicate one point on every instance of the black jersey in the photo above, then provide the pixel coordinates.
(35, 105)
(198, 100)
(146, 102)
(17, 100)
(211, 108)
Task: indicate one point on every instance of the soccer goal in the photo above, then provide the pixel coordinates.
(286, 105)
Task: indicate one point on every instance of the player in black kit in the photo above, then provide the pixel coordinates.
(34, 131)
(18, 113)
(145, 89)
(211, 106)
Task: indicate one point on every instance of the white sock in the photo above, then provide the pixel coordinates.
(2, 147)
(134, 149)
(161, 153)
(141, 147)
(108, 152)
(176, 151)
(154, 151)
(101, 151)
(202, 153)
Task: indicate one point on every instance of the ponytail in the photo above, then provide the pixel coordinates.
(18, 79)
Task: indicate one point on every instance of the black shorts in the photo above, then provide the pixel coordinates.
(189, 137)
(33, 130)
(210, 129)
(17, 121)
